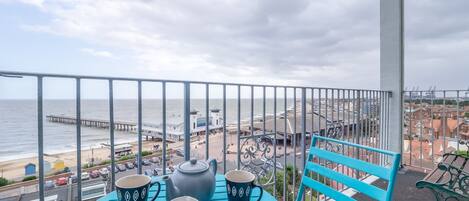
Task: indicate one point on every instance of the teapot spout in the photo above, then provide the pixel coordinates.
(213, 165)
(171, 190)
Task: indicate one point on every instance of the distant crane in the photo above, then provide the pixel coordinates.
(430, 94)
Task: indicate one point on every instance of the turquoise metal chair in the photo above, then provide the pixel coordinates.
(387, 172)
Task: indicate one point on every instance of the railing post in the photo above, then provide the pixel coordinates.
(303, 128)
(40, 137)
(111, 133)
(78, 124)
(140, 124)
(163, 105)
(207, 119)
(187, 129)
(392, 65)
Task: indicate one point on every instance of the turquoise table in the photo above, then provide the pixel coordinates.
(220, 192)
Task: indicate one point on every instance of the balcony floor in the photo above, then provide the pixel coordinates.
(405, 187)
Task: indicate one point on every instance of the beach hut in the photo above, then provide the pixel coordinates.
(30, 169)
(59, 165)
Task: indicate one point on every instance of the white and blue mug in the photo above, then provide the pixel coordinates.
(239, 185)
(135, 188)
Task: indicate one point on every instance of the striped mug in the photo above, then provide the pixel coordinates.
(135, 188)
(239, 185)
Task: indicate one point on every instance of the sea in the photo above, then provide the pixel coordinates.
(19, 126)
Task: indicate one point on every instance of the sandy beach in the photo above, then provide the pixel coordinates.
(14, 169)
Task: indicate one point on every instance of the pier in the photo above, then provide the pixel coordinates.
(93, 123)
(148, 130)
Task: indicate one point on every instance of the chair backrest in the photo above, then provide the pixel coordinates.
(386, 172)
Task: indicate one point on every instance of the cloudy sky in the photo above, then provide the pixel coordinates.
(315, 43)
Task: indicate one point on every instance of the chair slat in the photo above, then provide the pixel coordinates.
(386, 173)
(363, 166)
(370, 190)
(326, 190)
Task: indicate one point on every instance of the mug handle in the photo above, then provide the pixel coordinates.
(158, 191)
(260, 188)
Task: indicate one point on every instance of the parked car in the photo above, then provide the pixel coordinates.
(155, 160)
(146, 162)
(121, 167)
(150, 172)
(115, 168)
(61, 181)
(85, 176)
(159, 171)
(74, 178)
(49, 184)
(129, 165)
(104, 172)
(180, 152)
(94, 174)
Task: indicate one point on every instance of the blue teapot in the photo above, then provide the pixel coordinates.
(195, 178)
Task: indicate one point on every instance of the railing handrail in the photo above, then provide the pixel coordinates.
(436, 90)
(92, 77)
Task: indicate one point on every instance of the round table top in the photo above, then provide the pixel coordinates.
(220, 192)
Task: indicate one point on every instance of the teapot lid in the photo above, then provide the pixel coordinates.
(193, 166)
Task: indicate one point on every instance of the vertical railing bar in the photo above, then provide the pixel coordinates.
(207, 123)
(457, 119)
(187, 129)
(319, 129)
(163, 94)
(432, 129)
(445, 121)
(342, 125)
(366, 97)
(367, 128)
(349, 129)
(374, 122)
(303, 130)
(78, 127)
(326, 130)
(385, 119)
(111, 132)
(303, 127)
(370, 132)
(238, 131)
(387, 125)
(333, 124)
(224, 128)
(252, 111)
(140, 124)
(294, 142)
(312, 133)
(275, 138)
(40, 136)
(285, 196)
(359, 129)
(410, 128)
(421, 129)
(263, 110)
(381, 118)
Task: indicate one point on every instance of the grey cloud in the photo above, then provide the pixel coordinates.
(334, 42)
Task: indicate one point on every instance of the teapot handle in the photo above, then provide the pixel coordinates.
(213, 165)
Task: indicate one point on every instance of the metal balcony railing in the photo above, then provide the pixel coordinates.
(435, 122)
(270, 146)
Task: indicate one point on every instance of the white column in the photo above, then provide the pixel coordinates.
(392, 65)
